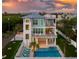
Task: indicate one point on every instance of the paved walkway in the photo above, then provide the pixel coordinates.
(18, 37)
(72, 42)
(31, 54)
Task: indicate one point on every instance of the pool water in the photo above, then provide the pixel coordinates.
(47, 52)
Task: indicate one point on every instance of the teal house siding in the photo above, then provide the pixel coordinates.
(37, 22)
(41, 23)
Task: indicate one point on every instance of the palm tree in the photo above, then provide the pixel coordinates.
(34, 45)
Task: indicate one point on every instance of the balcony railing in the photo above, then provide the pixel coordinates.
(44, 36)
(49, 22)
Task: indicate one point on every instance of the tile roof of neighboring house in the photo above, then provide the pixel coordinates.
(34, 16)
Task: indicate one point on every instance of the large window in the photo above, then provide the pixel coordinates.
(27, 27)
(27, 36)
(41, 22)
(41, 30)
(27, 20)
(37, 31)
(35, 22)
(34, 30)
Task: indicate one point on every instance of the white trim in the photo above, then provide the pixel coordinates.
(62, 54)
(44, 27)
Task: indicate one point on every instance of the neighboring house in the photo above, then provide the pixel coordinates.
(40, 28)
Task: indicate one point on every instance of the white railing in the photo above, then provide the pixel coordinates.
(72, 42)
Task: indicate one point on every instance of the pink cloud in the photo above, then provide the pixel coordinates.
(73, 3)
(27, 5)
(23, 6)
(59, 5)
(66, 10)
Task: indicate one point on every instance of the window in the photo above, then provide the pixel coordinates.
(27, 27)
(34, 30)
(35, 22)
(41, 22)
(41, 31)
(27, 20)
(38, 30)
(27, 36)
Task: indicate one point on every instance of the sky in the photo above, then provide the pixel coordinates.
(23, 6)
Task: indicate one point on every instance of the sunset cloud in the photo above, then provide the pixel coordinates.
(66, 10)
(71, 2)
(16, 0)
(27, 5)
(59, 5)
(22, 0)
(8, 4)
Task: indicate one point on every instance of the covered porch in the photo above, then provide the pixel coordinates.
(45, 42)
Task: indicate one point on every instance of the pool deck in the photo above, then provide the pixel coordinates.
(31, 54)
(18, 54)
(62, 54)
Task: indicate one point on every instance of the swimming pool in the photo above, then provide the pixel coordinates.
(47, 52)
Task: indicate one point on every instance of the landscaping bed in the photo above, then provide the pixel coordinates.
(10, 50)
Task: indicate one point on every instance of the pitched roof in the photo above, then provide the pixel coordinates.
(34, 16)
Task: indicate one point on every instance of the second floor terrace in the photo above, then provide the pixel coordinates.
(50, 22)
(43, 23)
(43, 32)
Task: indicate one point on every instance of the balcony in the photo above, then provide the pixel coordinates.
(48, 33)
(50, 23)
(44, 36)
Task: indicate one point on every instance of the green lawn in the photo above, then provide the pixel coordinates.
(14, 48)
(64, 46)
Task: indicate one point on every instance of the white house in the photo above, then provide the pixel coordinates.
(40, 28)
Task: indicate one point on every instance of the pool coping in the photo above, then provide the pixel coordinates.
(60, 51)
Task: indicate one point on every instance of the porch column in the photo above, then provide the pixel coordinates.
(36, 39)
(54, 41)
(47, 42)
